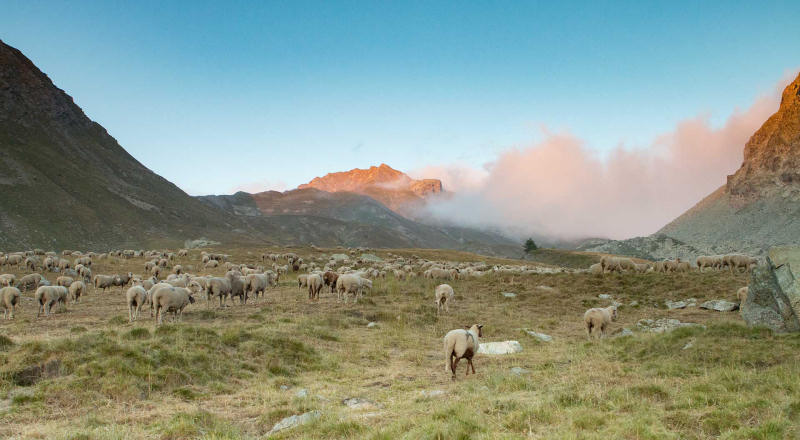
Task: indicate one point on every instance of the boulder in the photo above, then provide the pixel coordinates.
(505, 347)
(296, 420)
(519, 371)
(672, 305)
(604, 296)
(719, 305)
(661, 325)
(359, 404)
(372, 258)
(509, 294)
(540, 336)
(773, 299)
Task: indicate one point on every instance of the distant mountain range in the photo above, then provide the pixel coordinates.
(66, 183)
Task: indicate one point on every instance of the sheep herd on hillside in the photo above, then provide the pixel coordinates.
(167, 286)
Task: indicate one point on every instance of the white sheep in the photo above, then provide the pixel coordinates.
(444, 296)
(741, 294)
(105, 281)
(48, 296)
(137, 297)
(9, 298)
(170, 299)
(600, 319)
(76, 290)
(461, 344)
(315, 284)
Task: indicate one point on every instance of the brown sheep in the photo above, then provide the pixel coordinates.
(461, 344)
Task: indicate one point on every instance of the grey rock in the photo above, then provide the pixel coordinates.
(662, 325)
(540, 336)
(302, 393)
(432, 393)
(509, 294)
(688, 345)
(769, 300)
(359, 404)
(604, 296)
(673, 305)
(624, 332)
(372, 325)
(719, 305)
(372, 258)
(634, 303)
(296, 420)
(519, 371)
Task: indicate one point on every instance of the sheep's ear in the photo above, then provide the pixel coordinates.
(480, 325)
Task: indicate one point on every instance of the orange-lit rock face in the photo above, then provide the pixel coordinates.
(391, 187)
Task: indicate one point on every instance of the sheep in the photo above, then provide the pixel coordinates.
(76, 290)
(444, 296)
(741, 294)
(155, 271)
(8, 279)
(642, 267)
(461, 344)
(137, 297)
(9, 298)
(712, 261)
(351, 283)
(147, 283)
(171, 299)
(596, 269)
(255, 284)
(736, 261)
(105, 281)
(63, 264)
(302, 281)
(85, 273)
(237, 287)
(48, 296)
(64, 281)
(218, 286)
(315, 284)
(329, 278)
(599, 318)
(211, 264)
(30, 281)
(183, 253)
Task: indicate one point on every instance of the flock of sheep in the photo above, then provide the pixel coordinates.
(167, 287)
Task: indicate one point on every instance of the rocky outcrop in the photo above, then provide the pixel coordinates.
(773, 300)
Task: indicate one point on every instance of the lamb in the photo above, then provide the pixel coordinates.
(105, 281)
(315, 284)
(76, 290)
(741, 294)
(599, 318)
(302, 281)
(9, 298)
(170, 299)
(137, 297)
(48, 296)
(444, 296)
(461, 344)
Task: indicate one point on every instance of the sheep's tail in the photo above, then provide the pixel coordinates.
(448, 352)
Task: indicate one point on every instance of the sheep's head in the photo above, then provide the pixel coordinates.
(191, 299)
(613, 313)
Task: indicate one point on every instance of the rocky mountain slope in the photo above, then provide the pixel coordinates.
(65, 182)
(312, 216)
(758, 207)
(393, 188)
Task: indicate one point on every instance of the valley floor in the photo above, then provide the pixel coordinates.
(235, 372)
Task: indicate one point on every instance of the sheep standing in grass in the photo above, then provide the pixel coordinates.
(444, 296)
(351, 283)
(330, 278)
(137, 297)
(220, 287)
(76, 290)
(255, 284)
(170, 300)
(8, 279)
(741, 294)
(9, 298)
(302, 281)
(315, 284)
(599, 319)
(48, 296)
(64, 281)
(30, 281)
(105, 281)
(461, 344)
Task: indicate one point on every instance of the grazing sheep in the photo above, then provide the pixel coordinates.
(736, 262)
(237, 287)
(48, 296)
(741, 294)
(220, 287)
(351, 283)
(329, 278)
(64, 281)
(599, 318)
(76, 290)
(255, 284)
(712, 261)
(177, 269)
(642, 267)
(105, 281)
(137, 297)
(461, 344)
(8, 279)
(30, 282)
(596, 269)
(9, 298)
(211, 264)
(444, 296)
(315, 284)
(302, 281)
(171, 299)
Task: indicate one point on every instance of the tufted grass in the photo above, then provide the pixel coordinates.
(232, 373)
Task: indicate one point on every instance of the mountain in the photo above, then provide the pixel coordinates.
(312, 216)
(758, 207)
(65, 182)
(393, 188)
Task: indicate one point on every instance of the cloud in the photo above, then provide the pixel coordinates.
(260, 186)
(562, 189)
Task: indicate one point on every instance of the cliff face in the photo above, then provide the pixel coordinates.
(393, 188)
(64, 181)
(759, 207)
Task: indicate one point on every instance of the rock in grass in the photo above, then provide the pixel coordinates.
(359, 404)
(296, 420)
(540, 336)
(505, 347)
(662, 325)
(604, 296)
(302, 393)
(432, 393)
(509, 294)
(773, 299)
(519, 371)
(719, 305)
(672, 305)
(624, 332)
(372, 325)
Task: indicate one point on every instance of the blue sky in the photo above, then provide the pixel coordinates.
(216, 95)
